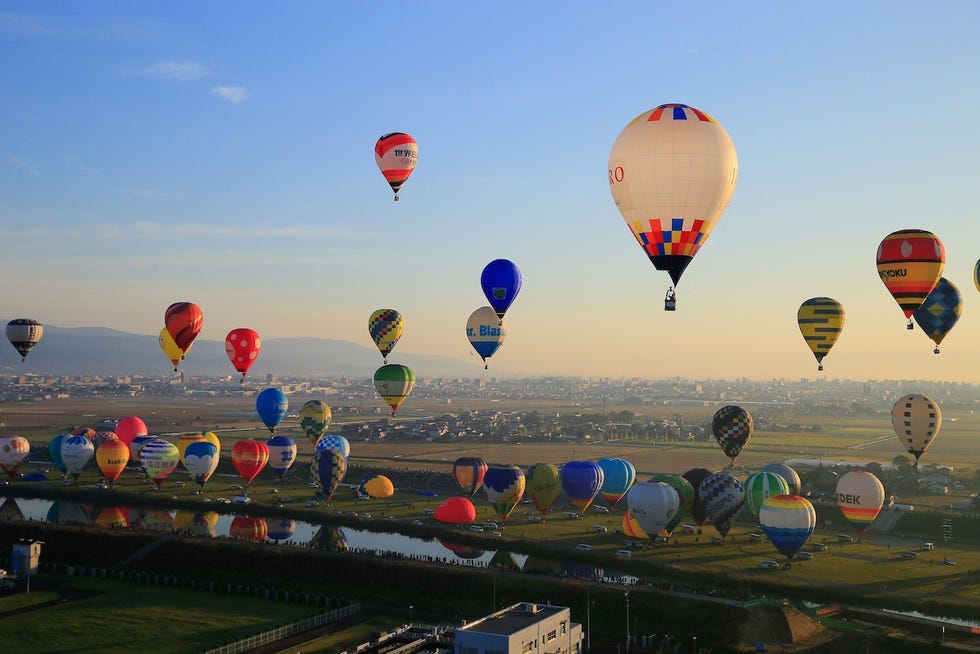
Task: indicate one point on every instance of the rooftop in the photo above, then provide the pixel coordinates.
(513, 618)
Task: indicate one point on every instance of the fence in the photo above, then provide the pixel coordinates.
(285, 631)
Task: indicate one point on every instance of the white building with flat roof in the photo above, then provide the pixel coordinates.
(524, 628)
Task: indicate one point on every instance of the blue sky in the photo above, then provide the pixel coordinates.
(222, 153)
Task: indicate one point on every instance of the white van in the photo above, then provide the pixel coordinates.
(756, 537)
(769, 563)
(624, 553)
(583, 547)
(804, 556)
(928, 547)
(599, 529)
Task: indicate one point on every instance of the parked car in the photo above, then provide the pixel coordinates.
(769, 563)
(804, 556)
(583, 547)
(820, 547)
(908, 555)
(599, 529)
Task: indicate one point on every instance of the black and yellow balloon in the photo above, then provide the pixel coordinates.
(821, 320)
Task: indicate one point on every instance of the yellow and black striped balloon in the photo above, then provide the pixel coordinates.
(821, 320)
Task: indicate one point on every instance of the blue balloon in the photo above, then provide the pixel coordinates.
(501, 282)
(282, 454)
(333, 442)
(271, 405)
(581, 481)
(54, 448)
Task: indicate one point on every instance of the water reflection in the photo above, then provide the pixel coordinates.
(112, 517)
(331, 539)
(248, 528)
(463, 551)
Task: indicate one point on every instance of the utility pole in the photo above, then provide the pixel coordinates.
(627, 593)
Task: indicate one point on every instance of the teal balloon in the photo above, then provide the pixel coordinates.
(618, 476)
(54, 449)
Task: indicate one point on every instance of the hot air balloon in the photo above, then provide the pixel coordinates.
(13, 452)
(246, 528)
(159, 459)
(24, 334)
(281, 528)
(87, 432)
(396, 155)
(504, 485)
(136, 448)
(653, 504)
(455, 511)
(271, 405)
(761, 486)
(376, 486)
(916, 420)
(314, 418)
(732, 427)
(242, 346)
(722, 496)
(112, 517)
(501, 282)
(184, 321)
(632, 528)
(910, 262)
(170, 349)
(333, 442)
(486, 332)
(617, 477)
(468, 471)
(672, 171)
(685, 495)
(129, 428)
(282, 454)
(821, 320)
(860, 496)
(694, 477)
(184, 440)
(394, 383)
(54, 450)
(788, 474)
(788, 521)
(111, 457)
(76, 452)
(581, 481)
(249, 458)
(201, 460)
(385, 327)
(329, 468)
(543, 484)
(940, 311)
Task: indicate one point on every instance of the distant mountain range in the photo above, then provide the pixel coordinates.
(104, 351)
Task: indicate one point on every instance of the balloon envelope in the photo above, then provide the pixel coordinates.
(789, 475)
(581, 480)
(24, 334)
(249, 458)
(672, 171)
(184, 321)
(916, 420)
(394, 383)
(385, 327)
(76, 452)
(468, 471)
(940, 311)
(201, 460)
(111, 457)
(543, 484)
(377, 486)
(694, 477)
(329, 468)
(617, 477)
(13, 452)
(184, 440)
(282, 454)
(54, 449)
(761, 486)
(456, 511)
(501, 282)
(685, 494)
(504, 485)
(242, 346)
(396, 155)
(631, 527)
(722, 496)
(860, 497)
(129, 428)
(910, 262)
(485, 331)
(159, 458)
(333, 442)
(653, 504)
(170, 349)
(788, 521)
(271, 405)
(314, 418)
(732, 427)
(820, 320)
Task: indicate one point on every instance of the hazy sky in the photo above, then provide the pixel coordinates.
(222, 153)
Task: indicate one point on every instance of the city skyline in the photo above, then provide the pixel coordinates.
(224, 155)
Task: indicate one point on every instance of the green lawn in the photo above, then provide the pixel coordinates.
(126, 618)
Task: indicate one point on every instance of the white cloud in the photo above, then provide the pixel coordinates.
(234, 94)
(20, 165)
(177, 70)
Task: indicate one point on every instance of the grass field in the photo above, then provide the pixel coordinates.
(124, 618)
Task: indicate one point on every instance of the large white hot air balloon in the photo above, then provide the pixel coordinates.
(653, 504)
(916, 420)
